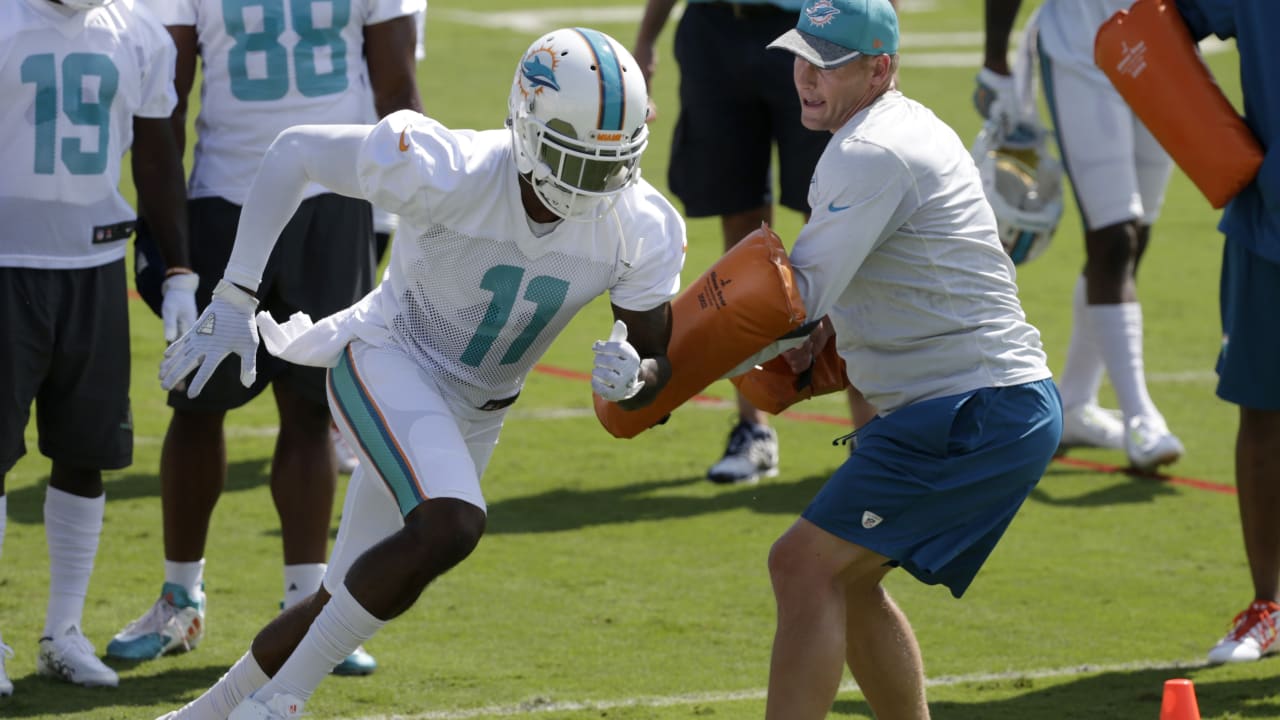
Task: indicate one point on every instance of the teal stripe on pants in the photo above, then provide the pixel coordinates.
(362, 415)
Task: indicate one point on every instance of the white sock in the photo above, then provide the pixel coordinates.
(189, 575)
(72, 525)
(343, 626)
(4, 516)
(1117, 330)
(218, 701)
(301, 581)
(1082, 371)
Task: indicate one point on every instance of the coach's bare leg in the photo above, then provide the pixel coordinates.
(193, 469)
(883, 654)
(1258, 480)
(831, 609)
(303, 476)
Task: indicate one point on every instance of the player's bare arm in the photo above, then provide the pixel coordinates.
(161, 184)
(649, 332)
(185, 40)
(389, 48)
(1000, 15)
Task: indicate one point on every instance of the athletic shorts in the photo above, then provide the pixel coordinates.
(414, 444)
(324, 262)
(1118, 171)
(1249, 361)
(737, 99)
(933, 485)
(67, 350)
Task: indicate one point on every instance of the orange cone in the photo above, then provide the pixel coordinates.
(1179, 701)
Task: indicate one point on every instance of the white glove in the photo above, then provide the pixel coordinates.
(995, 99)
(178, 308)
(225, 327)
(616, 375)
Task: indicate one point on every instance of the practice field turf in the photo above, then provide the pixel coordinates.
(616, 583)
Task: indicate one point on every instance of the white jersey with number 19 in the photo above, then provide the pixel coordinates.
(72, 82)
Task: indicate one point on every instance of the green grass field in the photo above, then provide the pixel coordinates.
(616, 583)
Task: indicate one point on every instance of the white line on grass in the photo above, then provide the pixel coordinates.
(962, 49)
(546, 705)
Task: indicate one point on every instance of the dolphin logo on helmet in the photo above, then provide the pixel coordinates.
(576, 113)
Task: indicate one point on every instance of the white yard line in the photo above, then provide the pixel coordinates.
(959, 49)
(546, 705)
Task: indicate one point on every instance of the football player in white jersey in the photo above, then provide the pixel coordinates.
(504, 236)
(83, 80)
(267, 65)
(903, 258)
(1118, 172)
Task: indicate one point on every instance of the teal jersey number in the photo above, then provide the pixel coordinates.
(41, 70)
(311, 40)
(545, 292)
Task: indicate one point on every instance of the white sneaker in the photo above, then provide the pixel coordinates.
(279, 707)
(752, 453)
(1150, 444)
(1253, 634)
(173, 624)
(6, 685)
(347, 460)
(1092, 426)
(71, 657)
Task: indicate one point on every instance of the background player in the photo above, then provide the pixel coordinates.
(267, 65)
(82, 81)
(1118, 173)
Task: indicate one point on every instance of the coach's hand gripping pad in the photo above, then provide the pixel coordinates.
(774, 386)
(1149, 55)
(743, 302)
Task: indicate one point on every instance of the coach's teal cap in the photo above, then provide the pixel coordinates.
(831, 33)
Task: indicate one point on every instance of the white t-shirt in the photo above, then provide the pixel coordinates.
(1068, 28)
(268, 65)
(472, 292)
(72, 83)
(901, 251)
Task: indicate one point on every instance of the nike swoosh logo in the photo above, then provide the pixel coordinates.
(404, 146)
(832, 207)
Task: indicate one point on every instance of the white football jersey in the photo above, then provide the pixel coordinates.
(1068, 27)
(473, 293)
(268, 65)
(72, 82)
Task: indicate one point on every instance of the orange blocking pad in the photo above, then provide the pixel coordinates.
(1152, 61)
(744, 301)
(774, 387)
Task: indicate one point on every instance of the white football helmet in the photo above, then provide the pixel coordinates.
(1024, 187)
(85, 4)
(577, 111)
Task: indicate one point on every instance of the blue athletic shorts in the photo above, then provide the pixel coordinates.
(933, 485)
(1249, 362)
